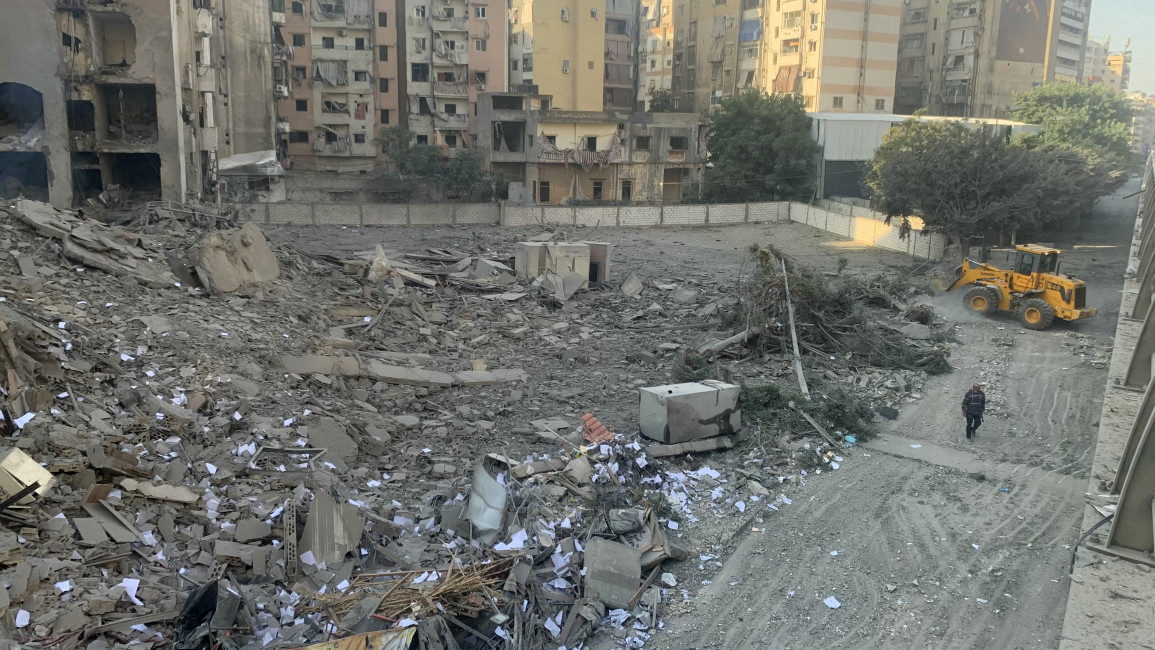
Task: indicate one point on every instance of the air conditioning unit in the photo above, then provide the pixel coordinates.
(481, 86)
(280, 90)
(565, 14)
(282, 127)
(342, 32)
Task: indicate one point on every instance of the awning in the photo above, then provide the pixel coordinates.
(785, 79)
(257, 163)
(751, 30)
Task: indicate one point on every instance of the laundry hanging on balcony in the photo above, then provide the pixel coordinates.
(331, 73)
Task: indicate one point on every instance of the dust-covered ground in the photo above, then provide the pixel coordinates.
(916, 537)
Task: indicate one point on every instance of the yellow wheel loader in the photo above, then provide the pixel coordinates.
(1034, 288)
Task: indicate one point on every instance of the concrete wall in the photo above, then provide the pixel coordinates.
(250, 77)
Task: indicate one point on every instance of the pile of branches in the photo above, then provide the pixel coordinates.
(829, 315)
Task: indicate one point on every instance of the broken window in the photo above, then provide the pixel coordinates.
(139, 173)
(422, 139)
(509, 136)
(642, 143)
(299, 137)
(677, 143)
(131, 112)
(507, 103)
(627, 190)
(115, 40)
(419, 72)
(543, 192)
(81, 116)
(598, 190)
(23, 172)
(359, 138)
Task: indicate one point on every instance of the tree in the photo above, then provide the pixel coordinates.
(959, 180)
(414, 166)
(760, 149)
(661, 101)
(1093, 119)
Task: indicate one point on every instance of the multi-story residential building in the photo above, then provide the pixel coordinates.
(581, 55)
(840, 55)
(555, 156)
(1067, 40)
(1095, 70)
(655, 50)
(141, 94)
(453, 51)
(335, 78)
(971, 57)
(1143, 126)
(1120, 64)
(706, 37)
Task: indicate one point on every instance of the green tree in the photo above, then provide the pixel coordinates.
(760, 149)
(426, 167)
(1088, 118)
(959, 180)
(661, 101)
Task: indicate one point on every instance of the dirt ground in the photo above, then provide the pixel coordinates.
(924, 538)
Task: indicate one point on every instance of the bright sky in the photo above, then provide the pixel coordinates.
(1134, 19)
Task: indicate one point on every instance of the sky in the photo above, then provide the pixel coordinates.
(1134, 19)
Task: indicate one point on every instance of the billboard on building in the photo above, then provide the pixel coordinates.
(1023, 27)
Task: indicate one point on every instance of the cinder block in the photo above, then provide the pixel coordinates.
(593, 216)
(291, 213)
(385, 214)
(337, 214)
(684, 215)
(435, 214)
(681, 412)
(520, 216)
(558, 216)
(640, 216)
(478, 213)
(731, 213)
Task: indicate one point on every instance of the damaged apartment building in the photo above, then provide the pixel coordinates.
(130, 98)
(550, 156)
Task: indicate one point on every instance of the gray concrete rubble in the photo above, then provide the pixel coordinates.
(208, 429)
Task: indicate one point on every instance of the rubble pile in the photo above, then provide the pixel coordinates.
(214, 439)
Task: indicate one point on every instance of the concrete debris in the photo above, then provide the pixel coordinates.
(17, 472)
(613, 572)
(226, 261)
(632, 286)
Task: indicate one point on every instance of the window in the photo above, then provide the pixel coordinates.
(594, 14)
(910, 92)
(302, 105)
(694, 31)
(451, 45)
(480, 78)
(327, 42)
(359, 138)
(913, 41)
(384, 115)
(932, 48)
(591, 142)
(543, 192)
(565, 66)
(300, 73)
(451, 141)
(916, 16)
(330, 137)
(590, 65)
(382, 19)
(837, 102)
(935, 27)
(446, 77)
(383, 85)
(298, 40)
(479, 13)
(527, 63)
(419, 72)
(792, 19)
(419, 11)
(358, 44)
(715, 71)
(422, 139)
(791, 46)
(451, 109)
(813, 21)
(360, 75)
(677, 143)
(514, 65)
(552, 139)
(299, 137)
(598, 190)
(880, 104)
(448, 13)
(627, 190)
(479, 45)
(419, 44)
(382, 52)
(298, 7)
(812, 46)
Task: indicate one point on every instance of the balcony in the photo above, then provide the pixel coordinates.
(451, 89)
(958, 72)
(450, 120)
(446, 24)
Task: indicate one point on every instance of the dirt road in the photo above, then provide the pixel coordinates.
(930, 552)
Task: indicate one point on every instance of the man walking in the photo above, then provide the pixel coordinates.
(973, 405)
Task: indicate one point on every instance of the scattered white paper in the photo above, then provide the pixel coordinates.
(833, 553)
(981, 600)
(975, 546)
(22, 618)
(211, 468)
(673, 525)
(308, 558)
(832, 602)
(916, 446)
(124, 356)
(63, 587)
(23, 420)
(741, 506)
(131, 586)
(406, 622)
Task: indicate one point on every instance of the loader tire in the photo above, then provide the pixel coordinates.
(1036, 314)
(980, 300)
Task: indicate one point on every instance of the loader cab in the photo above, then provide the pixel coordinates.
(1031, 262)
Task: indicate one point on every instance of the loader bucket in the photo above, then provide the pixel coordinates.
(940, 283)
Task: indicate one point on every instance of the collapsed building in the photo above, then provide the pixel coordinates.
(131, 94)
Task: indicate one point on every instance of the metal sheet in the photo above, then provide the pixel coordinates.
(394, 639)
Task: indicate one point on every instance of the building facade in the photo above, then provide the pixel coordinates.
(144, 95)
(706, 51)
(971, 57)
(655, 50)
(555, 157)
(335, 79)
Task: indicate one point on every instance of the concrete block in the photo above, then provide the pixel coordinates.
(684, 215)
(731, 213)
(593, 216)
(613, 572)
(337, 214)
(558, 215)
(408, 376)
(385, 214)
(432, 214)
(520, 216)
(479, 213)
(682, 412)
(300, 214)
